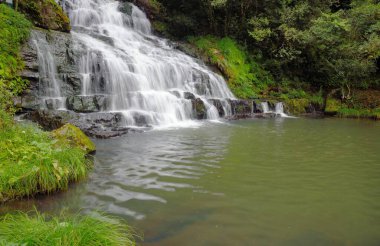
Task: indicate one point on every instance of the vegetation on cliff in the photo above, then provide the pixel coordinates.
(45, 14)
(325, 49)
(14, 30)
(80, 230)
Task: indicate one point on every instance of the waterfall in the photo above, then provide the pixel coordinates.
(141, 75)
(49, 83)
(265, 107)
(279, 108)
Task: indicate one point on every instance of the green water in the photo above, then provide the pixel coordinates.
(252, 182)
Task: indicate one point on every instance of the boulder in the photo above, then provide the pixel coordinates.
(73, 136)
(199, 109)
(87, 104)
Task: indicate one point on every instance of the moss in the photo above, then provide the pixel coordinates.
(46, 14)
(73, 136)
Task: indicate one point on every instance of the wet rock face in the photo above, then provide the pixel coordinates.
(241, 107)
(218, 104)
(199, 108)
(66, 56)
(87, 104)
(99, 125)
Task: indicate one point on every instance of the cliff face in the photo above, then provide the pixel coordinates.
(46, 14)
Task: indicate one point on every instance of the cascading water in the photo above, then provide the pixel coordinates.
(265, 107)
(141, 75)
(49, 82)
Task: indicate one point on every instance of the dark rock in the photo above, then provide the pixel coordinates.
(126, 8)
(52, 103)
(87, 104)
(219, 106)
(199, 109)
(241, 107)
(99, 125)
(189, 95)
(49, 119)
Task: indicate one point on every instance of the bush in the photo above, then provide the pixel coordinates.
(38, 229)
(31, 162)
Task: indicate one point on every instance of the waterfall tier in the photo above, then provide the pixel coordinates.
(137, 73)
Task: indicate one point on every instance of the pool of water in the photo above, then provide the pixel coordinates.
(251, 182)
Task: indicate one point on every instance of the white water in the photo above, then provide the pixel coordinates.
(142, 74)
(278, 110)
(265, 107)
(49, 83)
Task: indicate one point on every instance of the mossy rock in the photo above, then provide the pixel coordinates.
(45, 14)
(75, 137)
(297, 106)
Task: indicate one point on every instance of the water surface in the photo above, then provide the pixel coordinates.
(251, 182)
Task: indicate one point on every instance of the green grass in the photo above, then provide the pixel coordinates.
(32, 162)
(359, 113)
(40, 230)
(14, 30)
(246, 78)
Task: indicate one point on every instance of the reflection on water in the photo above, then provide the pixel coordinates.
(253, 182)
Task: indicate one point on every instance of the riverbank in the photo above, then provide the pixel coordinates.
(34, 228)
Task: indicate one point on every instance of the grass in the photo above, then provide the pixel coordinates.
(246, 78)
(37, 229)
(31, 161)
(359, 113)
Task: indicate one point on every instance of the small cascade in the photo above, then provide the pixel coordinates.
(50, 85)
(265, 107)
(279, 109)
(140, 75)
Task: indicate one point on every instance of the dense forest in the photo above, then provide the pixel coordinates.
(291, 48)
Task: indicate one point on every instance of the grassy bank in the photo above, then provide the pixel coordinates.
(37, 229)
(32, 162)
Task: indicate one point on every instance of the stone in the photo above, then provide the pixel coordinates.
(199, 109)
(241, 107)
(73, 136)
(189, 95)
(87, 104)
(218, 104)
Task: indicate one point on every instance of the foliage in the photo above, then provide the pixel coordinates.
(14, 29)
(245, 77)
(39, 229)
(328, 44)
(46, 14)
(31, 163)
